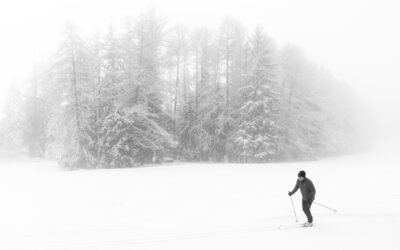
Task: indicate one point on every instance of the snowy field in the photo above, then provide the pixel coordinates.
(199, 206)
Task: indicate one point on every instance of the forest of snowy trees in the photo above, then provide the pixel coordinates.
(151, 91)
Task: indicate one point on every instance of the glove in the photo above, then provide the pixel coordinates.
(290, 193)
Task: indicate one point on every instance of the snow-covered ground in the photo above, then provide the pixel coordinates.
(199, 206)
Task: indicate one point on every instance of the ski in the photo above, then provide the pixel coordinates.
(285, 227)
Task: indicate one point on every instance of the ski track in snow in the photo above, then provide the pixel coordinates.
(199, 206)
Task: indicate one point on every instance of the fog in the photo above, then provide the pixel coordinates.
(183, 124)
(357, 41)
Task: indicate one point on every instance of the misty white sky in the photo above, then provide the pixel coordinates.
(358, 41)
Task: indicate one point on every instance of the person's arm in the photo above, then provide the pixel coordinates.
(312, 188)
(294, 189)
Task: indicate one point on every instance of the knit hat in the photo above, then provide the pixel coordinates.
(301, 174)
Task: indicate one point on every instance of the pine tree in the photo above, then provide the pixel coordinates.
(257, 136)
(139, 130)
(72, 76)
(113, 72)
(132, 137)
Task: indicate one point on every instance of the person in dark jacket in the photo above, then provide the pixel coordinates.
(307, 190)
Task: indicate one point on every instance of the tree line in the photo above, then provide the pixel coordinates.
(152, 91)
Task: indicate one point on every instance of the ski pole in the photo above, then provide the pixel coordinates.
(334, 210)
(294, 211)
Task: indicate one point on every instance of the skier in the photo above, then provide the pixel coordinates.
(307, 190)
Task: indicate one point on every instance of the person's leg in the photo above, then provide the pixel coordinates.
(306, 209)
(309, 210)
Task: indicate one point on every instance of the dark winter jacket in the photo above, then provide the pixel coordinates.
(307, 189)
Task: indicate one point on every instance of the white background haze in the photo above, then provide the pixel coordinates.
(209, 205)
(358, 41)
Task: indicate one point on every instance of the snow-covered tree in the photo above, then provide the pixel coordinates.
(257, 135)
(132, 137)
(136, 94)
(139, 129)
(70, 112)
